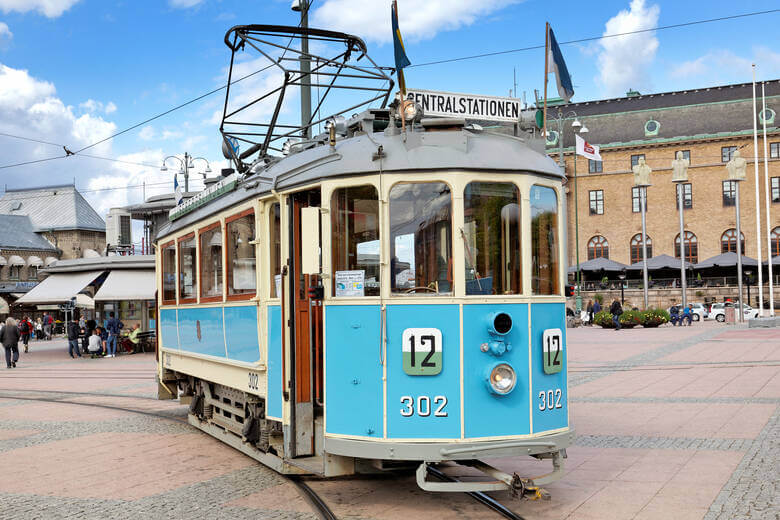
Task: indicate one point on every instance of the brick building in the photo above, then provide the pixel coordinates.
(707, 125)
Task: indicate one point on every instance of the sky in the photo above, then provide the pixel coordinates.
(74, 72)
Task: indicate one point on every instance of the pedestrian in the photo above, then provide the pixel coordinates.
(95, 344)
(48, 321)
(82, 323)
(596, 307)
(9, 337)
(590, 312)
(38, 329)
(25, 328)
(687, 315)
(103, 339)
(616, 310)
(113, 326)
(674, 314)
(73, 338)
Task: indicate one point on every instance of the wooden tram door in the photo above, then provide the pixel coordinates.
(306, 335)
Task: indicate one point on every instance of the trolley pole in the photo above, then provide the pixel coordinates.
(305, 71)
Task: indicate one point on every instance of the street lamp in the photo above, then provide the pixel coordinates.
(581, 129)
(622, 276)
(186, 163)
(736, 168)
(680, 176)
(642, 181)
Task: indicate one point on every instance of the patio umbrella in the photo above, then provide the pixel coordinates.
(775, 261)
(599, 264)
(656, 263)
(726, 260)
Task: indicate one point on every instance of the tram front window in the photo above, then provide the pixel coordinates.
(275, 241)
(169, 273)
(241, 274)
(491, 238)
(544, 240)
(187, 283)
(420, 238)
(355, 253)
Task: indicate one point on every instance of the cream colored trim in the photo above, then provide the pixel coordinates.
(462, 391)
(445, 439)
(260, 367)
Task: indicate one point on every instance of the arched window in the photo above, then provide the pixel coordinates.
(728, 241)
(598, 247)
(775, 237)
(636, 248)
(691, 247)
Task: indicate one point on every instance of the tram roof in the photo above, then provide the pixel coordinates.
(418, 151)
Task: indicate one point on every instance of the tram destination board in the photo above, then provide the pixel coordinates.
(469, 106)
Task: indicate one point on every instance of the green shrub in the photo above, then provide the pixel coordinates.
(603, 319)
(628, 320)
(654, 317)
(599, 298)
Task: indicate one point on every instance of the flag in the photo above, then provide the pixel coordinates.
(585, 149)
(177, 190)
(401, 60)
(556, 64)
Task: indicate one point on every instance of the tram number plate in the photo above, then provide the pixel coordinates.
(422, 355)
(423, 406)
(550, 400)
(254, 381)
(552, 351)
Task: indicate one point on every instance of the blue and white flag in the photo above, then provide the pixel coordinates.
(177, 190)
(556, 64)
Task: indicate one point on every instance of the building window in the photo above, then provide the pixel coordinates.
(728, 241)
(774, 150)
(595, 166)
(169, 273)
(729, 193)
(32, 272)
(544, 241)
(635, 201)
(421, 239)
(691, 247)
(686, 154)
(14, 272)
(354, 222)
(596, 202)
(188, 284)
(775, 189)
(240, 257)
(726, 152)
(598, 247)
(775, 238)
(636, 248)
(635, 159)
(211, 262)
(651, 128)
(275, 250)
(687, 196)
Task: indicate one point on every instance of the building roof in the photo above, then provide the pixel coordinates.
(54, 208)
(713, 112)
(103, 262)
(16, 232)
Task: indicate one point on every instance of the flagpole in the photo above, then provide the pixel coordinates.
(546, 69)
(758, 205)
(766, 202)
(401, 79)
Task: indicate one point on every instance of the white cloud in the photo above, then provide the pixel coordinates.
(93, 106)
(624, 61)
(110, 107)
(48, 8)
(721, 66)
(5, 32)
(184, 4)
(370, 19)
(147, 133)
(250, 89)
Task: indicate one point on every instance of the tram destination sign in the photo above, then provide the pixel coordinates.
(469, 106)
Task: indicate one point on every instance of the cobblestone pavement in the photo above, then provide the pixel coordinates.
(672, 423)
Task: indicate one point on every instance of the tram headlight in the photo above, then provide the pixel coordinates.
(411, 111)
(502, 379)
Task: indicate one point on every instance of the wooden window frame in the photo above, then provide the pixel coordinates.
(238, 297)
(208, 299)
(774, 150)
(638, 156)
(595, 166)
(774, 185)
(730, 149)
(178, 269)
(162, 274)
(596, 200)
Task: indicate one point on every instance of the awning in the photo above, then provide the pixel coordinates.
(59, 288)
(34, 261)
(90, 253)
(3, 261)
(16, 260)
(50, 260)
(127, 285)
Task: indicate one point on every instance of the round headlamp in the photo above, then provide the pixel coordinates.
(411, 111)
(502, 379)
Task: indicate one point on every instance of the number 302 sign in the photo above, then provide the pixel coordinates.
(422, 355)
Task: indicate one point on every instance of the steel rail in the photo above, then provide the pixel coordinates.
(314, 499)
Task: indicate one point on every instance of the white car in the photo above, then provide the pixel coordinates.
(718, 311)
(698, 311)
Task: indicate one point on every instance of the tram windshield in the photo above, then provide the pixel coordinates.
(355, 228)
(544, 240)
(420, 238)
(275, 240)
(169, 273)
(187, 282)
(491, 238)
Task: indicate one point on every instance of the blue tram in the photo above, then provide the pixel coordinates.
(390, 294)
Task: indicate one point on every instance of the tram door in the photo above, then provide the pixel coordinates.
(305, 333)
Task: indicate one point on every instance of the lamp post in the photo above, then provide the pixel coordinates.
(679, 177)
(580, 129)
(642, 181)
(622, 276)
(736, 168)
(186, 163)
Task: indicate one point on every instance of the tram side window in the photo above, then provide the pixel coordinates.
(169, 273)
(421, 239)
(491, 238)
(355, 253)
(188, 284)
(211, 262)
(275, 242)
(241, 273)
(544, 241)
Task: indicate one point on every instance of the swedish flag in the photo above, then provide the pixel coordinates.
(401, 59)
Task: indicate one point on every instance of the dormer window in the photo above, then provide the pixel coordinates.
(767, 116)
(652, 127)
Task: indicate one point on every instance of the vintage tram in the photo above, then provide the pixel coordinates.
(388, 292)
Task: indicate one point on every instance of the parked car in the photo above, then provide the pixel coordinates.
(699, 312)
(718, 311)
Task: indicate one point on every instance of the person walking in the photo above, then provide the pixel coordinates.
(616, 310)
(38, 329)
(73, 338)
(25, 328)
(589, 310)
(596, 307)
(9, 337)
(48, 321)
(113, 326)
